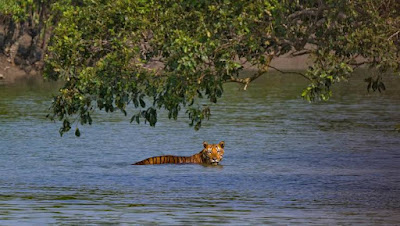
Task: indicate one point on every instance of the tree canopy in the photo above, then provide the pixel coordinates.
(169, 54)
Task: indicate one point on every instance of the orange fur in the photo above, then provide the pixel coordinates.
(211, 154)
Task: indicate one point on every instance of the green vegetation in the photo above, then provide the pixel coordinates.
(168, 54)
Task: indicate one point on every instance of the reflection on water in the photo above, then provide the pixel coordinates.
(286, 161)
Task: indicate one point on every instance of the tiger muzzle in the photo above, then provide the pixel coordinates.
(214, 161)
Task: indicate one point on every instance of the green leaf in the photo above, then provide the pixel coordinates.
(142, 103)
(77, 132)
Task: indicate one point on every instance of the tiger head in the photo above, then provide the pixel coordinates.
(212, 153)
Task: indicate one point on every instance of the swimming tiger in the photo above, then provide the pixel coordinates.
(211, 154)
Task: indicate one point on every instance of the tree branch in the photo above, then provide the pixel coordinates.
(359, 64)
(290, 72)
(396, 33)
(301, 53)
(262, 70)
(307, 12)
(246, 81)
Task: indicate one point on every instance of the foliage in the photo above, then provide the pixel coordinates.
(169, 54)
(17, 9)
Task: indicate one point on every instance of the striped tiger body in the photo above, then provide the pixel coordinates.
(211, 154)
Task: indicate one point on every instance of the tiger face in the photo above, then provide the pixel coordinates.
(213, 153)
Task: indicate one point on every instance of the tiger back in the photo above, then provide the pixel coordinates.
(211, 154)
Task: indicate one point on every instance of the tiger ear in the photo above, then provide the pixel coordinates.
(222, 144)
(205, 144)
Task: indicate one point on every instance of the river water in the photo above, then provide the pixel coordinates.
(286, 161)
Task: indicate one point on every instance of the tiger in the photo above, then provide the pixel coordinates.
(211, 155)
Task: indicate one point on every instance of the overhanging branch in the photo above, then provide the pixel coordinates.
(308, 12)
(301, 53)
(263, 68)
(246, 81)
(290, 72)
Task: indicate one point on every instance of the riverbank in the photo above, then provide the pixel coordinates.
(10, 73)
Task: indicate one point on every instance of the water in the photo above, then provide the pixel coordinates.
(286, 161)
